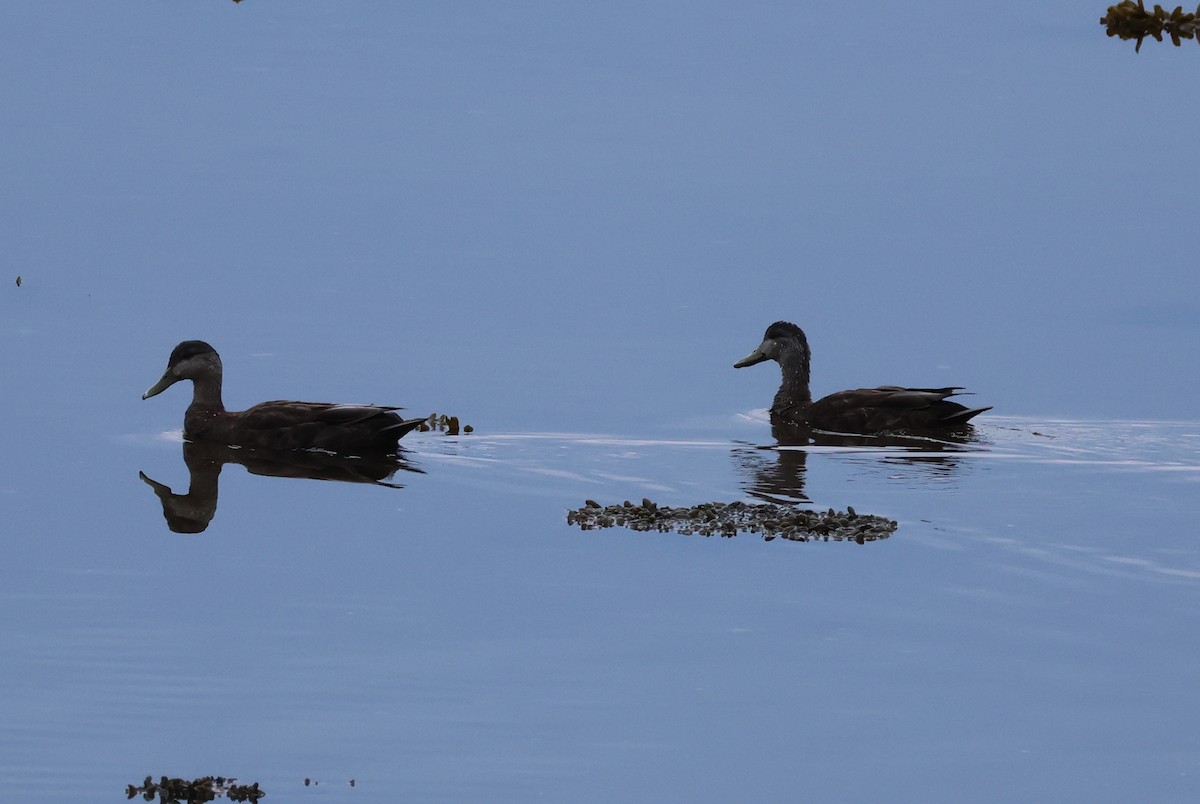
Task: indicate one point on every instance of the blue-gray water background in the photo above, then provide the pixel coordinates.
(570, 222)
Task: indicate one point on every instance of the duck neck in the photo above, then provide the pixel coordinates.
(206, 392)
(793, 391)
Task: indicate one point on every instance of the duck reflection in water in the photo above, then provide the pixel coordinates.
(773, 475)
(778, 473)
(191, 512)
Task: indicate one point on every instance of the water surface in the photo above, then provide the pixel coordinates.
(455, 638)
(564, 225)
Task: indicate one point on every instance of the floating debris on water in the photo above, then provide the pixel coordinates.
(1131, 20)
(206, 788)
(728, 519)
(447, 424)
(311, 782)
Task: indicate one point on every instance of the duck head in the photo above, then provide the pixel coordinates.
(781, 340)
(190, 360)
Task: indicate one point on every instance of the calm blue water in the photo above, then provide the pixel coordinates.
(1025, 634)
(564, 226)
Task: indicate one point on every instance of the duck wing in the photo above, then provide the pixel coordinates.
(890, 407)
(281, 424)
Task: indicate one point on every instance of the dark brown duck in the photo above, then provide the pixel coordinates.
(346, 429)
(888, 408)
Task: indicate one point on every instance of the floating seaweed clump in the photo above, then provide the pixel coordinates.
(447, 424)
(1130, 20)
(206, 788)
(727, 519)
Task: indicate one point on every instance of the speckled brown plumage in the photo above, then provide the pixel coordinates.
(888, 408)
(280, 424)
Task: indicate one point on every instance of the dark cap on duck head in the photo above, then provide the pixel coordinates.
(188, 349)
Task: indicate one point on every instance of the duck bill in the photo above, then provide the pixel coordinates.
(164, 382)
(749, 360)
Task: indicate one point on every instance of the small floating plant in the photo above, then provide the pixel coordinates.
(311, 782)
(1131, 20)
(206, 788)
(729, 519)
(443, 423)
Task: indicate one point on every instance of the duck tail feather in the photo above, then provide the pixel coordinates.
(965, 415)
(405, 426)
